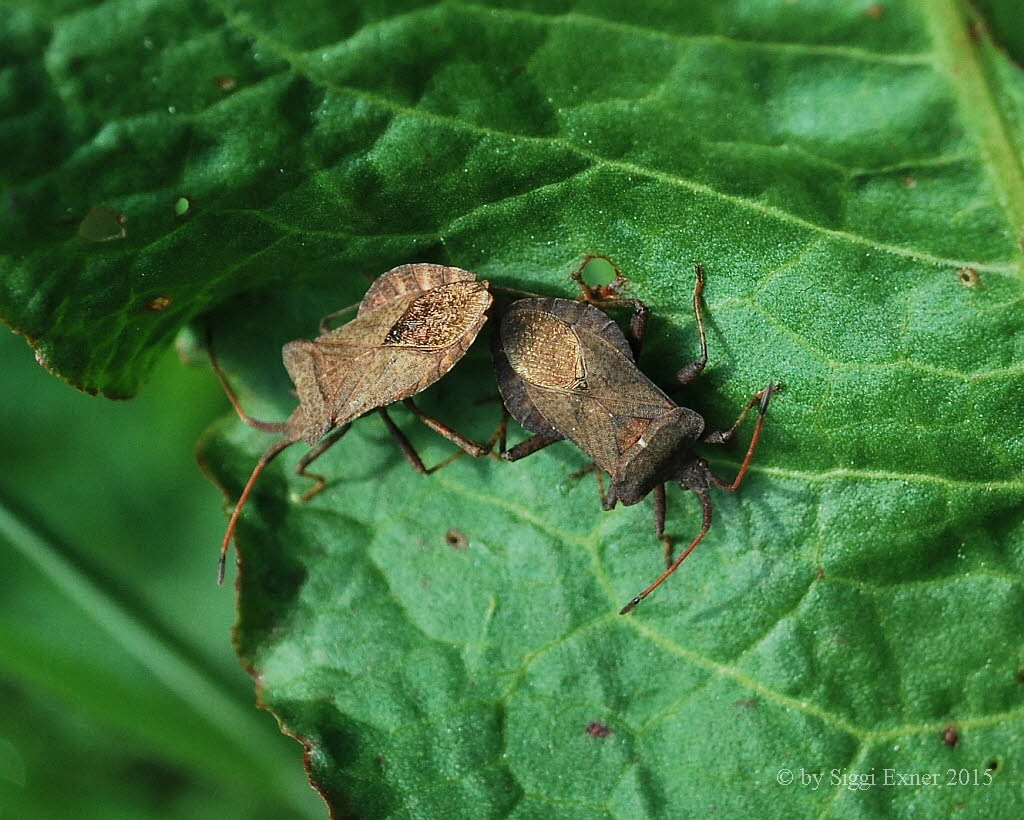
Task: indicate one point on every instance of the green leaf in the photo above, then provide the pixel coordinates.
(849, 174)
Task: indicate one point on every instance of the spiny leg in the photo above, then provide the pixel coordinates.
(311, 456)
(659, 523)
(765, 398)
(265, 426)
(457, 439)
(265, 459)
(694, 369)
(528, 447)
(705, 503)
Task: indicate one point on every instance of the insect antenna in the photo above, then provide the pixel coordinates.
(265, 459)
(765, 396)
(706, 524)
(516, 291)
(265, 426)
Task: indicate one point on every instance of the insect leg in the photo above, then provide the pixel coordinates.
(705, 503)
(312, 455)
(528, 447)
(265, 426)
(500, 436)
(403, 443)
(325, 322)
(694, 369)
(608, 500)
(265, 459)
(457, 439)
(765, 397)
(659, 523)
(638, 326)
(409, 451)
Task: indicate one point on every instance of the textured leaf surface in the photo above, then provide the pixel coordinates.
(850, 175)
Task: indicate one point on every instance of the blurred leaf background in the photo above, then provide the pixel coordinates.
(119, 697)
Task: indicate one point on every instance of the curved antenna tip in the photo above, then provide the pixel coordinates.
(629, 607)
(221, 567)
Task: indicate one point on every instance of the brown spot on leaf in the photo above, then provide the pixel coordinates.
(909, 182)
(225, 82)
(102, 224)
(875, 11)
(456, 540)
(598, 730)
(158, 303)
(968, 277)
(746, 703)
(950, 737)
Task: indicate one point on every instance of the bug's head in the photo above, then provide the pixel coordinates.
(663, 452)
(693, 474)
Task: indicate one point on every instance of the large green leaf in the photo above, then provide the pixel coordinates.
(850, 174)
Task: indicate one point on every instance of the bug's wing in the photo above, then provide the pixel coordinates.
(528, 348)
(410, 280)
(566, 370)
(388, 353)
(310, 374)
(380, 377)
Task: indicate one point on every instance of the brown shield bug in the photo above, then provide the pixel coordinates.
(412, 326)
(566, 371)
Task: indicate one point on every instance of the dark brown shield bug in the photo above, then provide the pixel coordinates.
(412, 326)
(566, 371)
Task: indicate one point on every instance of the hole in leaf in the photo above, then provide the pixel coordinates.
(181, 206)
(992, 765)
(598, 271)
(456, 540)
(968, 277)
(102, 224)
